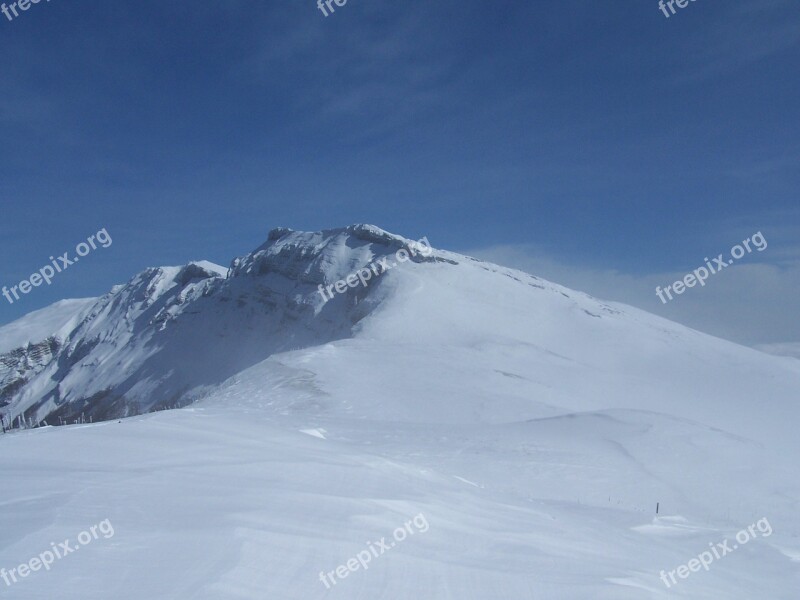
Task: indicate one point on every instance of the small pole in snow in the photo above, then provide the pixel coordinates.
(657, 504)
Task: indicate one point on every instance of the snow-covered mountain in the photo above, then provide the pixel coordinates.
(163, 337)
(56, 321)
(534, 426)
(29, 344)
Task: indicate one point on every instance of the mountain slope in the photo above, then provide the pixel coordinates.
(791, 349)
(56, 320)
(29, 344)
(533, 426)
(169, 332)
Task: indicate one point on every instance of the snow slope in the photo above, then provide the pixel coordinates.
(170, 332)
(58, 319)
(787, 349)
(534, 427)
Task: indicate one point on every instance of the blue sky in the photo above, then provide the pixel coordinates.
(601, 143)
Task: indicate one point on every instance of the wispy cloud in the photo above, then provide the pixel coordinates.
(750, 303)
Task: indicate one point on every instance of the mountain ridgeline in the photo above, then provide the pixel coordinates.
(170, 333)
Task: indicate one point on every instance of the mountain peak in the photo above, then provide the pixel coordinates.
(140, 346)
(320, 257)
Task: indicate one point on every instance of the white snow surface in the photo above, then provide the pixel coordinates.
(56, 320)
(791, 349)
(533, 426)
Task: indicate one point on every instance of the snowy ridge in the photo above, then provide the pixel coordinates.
(787, 349)
(142, 345)
(535, 427)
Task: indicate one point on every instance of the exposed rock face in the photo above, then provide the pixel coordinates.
(21, 365)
